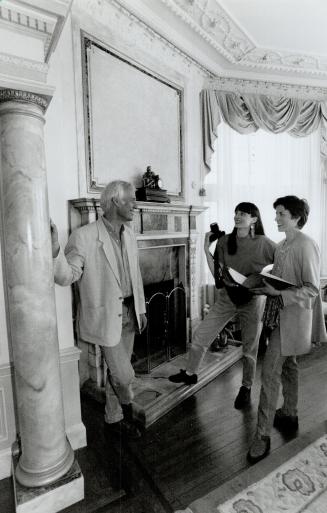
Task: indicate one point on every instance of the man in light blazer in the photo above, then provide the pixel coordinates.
(102, 257)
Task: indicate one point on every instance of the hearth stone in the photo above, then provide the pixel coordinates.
(155, 395)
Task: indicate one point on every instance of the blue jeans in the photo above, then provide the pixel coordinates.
(120, 374)
(223, 310)
(276, 370)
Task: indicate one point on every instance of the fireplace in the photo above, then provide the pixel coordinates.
(165, 336)
(167, 240)
(164, 278)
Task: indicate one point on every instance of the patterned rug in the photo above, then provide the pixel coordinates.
(297, 486)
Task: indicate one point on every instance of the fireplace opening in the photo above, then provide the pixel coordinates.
(165, 336)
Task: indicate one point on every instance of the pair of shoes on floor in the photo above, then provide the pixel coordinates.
(286, 423)
(123, 429)
(183, 377)
(259, 449)
(243, 398)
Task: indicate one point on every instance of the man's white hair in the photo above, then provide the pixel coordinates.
(114, 189)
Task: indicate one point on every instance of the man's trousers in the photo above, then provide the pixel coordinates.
(120, 373)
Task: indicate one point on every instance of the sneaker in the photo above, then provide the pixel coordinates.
(259, 449)
(243, 398)
(123, 429)
(286, 423)
(182, 377)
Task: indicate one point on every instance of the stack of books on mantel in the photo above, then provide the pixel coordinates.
(150, 194)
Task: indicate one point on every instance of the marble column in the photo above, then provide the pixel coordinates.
(46, 454)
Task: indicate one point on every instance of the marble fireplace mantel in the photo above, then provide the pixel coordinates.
(155, 225)
(151, 219)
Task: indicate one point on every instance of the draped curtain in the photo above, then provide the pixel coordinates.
(247, 113)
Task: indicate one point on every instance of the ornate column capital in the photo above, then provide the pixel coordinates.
(16, 95)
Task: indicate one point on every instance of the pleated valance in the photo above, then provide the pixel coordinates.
(247, 113)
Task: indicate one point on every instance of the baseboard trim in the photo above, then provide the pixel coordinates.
(5, 463)
(77, 436)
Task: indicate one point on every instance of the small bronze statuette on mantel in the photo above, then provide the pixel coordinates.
(151, 189)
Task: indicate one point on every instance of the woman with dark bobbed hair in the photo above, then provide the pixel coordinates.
(289, 317)
(246, 250)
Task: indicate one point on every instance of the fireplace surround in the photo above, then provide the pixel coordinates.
(167, 239)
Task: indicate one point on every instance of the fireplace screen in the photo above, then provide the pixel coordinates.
(165, 335)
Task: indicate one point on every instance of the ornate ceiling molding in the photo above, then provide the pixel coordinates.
(213, 23)
(241, 86)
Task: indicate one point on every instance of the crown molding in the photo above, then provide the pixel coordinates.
(30, 19)
(212, 22)
(218, 29)
(241, 86)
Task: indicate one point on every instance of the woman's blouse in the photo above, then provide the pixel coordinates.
(298, 261)
(251, 256)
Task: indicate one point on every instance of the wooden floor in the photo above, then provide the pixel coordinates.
(191, 451)
(203, 442)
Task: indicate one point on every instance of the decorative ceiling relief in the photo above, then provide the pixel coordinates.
(220, 30)
(209, 20)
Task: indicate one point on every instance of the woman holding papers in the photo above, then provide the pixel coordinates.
(247, 250)
(288, 315)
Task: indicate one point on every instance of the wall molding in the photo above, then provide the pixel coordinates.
(5, 463)
(3, 417)
(239, 85)
(28, 64)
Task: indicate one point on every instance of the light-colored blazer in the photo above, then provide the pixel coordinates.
(90, 259)
(300, 319)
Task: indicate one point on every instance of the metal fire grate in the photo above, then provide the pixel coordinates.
(165, 336)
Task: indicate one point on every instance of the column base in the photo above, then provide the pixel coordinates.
(29, 478)
(52, 498)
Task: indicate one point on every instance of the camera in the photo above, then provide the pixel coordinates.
(216, 233)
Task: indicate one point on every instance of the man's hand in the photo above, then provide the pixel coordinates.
(54, 239)
(143, 322)
(267, 290)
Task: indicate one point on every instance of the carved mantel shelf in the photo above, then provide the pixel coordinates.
(151, 220)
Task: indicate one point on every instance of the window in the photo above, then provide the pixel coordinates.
(261, 167)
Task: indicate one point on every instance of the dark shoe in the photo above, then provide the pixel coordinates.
(182, 377)
(220, 342)
(123, 429)
(243, 398)
(286, 423)
(259, 449)
(128, 412)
